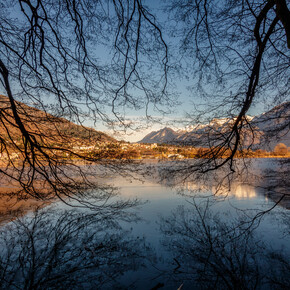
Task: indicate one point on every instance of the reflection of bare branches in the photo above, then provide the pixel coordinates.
(275, 183)
(82, 186)
(215, 253)
(252, 178)
(58, 249)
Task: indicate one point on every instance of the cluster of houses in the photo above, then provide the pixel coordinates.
(126, 150)
(134, 150)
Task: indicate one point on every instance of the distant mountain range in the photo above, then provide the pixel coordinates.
(263, 131)
(268, 129)
(165, 135)
(45, 126)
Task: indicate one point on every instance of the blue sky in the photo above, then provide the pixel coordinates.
(185, 96)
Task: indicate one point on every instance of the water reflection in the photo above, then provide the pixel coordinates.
(216, 251)
(275, 183)
(244, 191)
(217, 234)
(73, 249)
(268, 178)
(238, 190)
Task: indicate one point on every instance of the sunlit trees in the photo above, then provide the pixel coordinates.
(281, 149)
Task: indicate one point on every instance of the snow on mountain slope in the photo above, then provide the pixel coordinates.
(165, 135)
(264, 131)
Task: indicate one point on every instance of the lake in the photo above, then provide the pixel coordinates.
(157, 232)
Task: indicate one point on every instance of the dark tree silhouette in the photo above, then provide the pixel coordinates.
(53, 56)
(238, 52)
(97, 60)
(50, 56)
(237, 55)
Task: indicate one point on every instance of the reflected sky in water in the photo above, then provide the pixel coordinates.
(152, 243)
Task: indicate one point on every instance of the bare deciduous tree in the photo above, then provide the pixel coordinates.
(74, 59)
(239, 54)
(239, 51)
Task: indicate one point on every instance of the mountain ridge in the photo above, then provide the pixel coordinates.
(44, 125)
(269, 128)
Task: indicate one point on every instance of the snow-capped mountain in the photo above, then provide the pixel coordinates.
(274, 126)
(165, 135)
(263, 131)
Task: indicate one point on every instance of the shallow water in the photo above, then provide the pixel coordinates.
(175, 234)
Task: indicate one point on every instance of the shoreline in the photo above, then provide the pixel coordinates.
(77, 162)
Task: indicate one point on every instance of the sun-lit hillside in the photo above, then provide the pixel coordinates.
(45, 127)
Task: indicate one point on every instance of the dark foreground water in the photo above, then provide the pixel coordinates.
(199, 234)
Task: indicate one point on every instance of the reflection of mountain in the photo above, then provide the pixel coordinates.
(238, 190)
(244, 191)
(269, 129)
(266, 178)
(11, 206)
(275, 183)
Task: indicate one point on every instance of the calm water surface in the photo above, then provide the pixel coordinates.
(173, 235)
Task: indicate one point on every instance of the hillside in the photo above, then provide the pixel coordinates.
(165, 135)
(274, 126)
(269, 128)
(45, 127)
